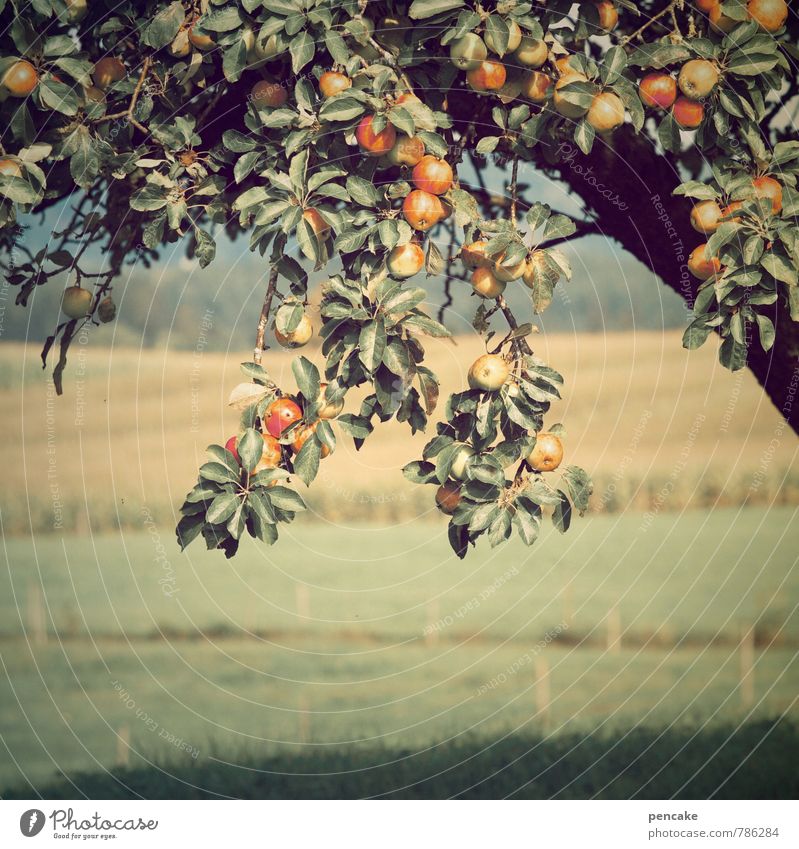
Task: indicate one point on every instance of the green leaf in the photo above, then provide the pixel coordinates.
(372, 344)
(218, 473)
(362, 191)
(307, 376)
(562, 514)
(766, 330)
(696, 334)
(306, 461)
(342, 107)
(164, 26)
(222, 508)
(250, 448)
(421, 9)
(301, 51)
(285, 499)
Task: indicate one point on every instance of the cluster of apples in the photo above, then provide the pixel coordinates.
(696, 80)
(707, 216)
(486, 74)
(432, 177)
(76, 302)
(491, 274)
(491, 373)
(769, 14)
(283, 420)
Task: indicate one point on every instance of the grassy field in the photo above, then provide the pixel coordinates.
(654, 424)
(369, 638)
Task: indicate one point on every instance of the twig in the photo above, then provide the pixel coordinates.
(128, 113)
(667, 10)
(264, 319)
(519, 344)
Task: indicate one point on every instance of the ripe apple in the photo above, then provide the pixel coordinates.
(486, 284)
(531, 52)
(268, 94)
(280, 415)
(563, 106)
(531, 267)
(75, 302)
(271, 456)
(514, 38)
(706, 5)
(698, 77)
(432, 175)
(769, 14)
(658, 90)
(106, 310)
(506, 273)
(200, 40)
(606, 112)
(405, 260)
(458, 467)
(372, 143)
(473, 255)
(488, 76)
(608, 16)
(332, 83)
(406, 97)
(107, 71)
(298, 337)
(407, 151)
(448, 497)
(547, 452)
(700, 265)
(705, 216)
(232, 445)
(318, 224)
(769, 188)
(20, 79)
(468, 52)
(488, 373)
(76, 10)
(328, 409)
(303, 434)
(9, 168)
(730, 210)
(688, 113)
(536, 86)
(422, 210)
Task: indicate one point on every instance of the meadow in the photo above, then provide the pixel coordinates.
(651, 651)
(367, 643)
(657, 426)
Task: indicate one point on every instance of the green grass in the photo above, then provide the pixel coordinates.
(696, 575)
(724, 762)
(321, 648)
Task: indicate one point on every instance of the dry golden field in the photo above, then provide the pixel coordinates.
(654, 424)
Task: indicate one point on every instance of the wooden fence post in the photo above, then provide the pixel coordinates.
(747, 666)
(37, 615)
(542, 690)
(613, 623)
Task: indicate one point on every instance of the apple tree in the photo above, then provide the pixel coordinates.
(355, 137)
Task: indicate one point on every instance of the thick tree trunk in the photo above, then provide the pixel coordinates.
(629, 187)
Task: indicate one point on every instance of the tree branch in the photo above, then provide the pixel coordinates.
(263, 321)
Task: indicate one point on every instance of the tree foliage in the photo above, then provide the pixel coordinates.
(181, 120)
